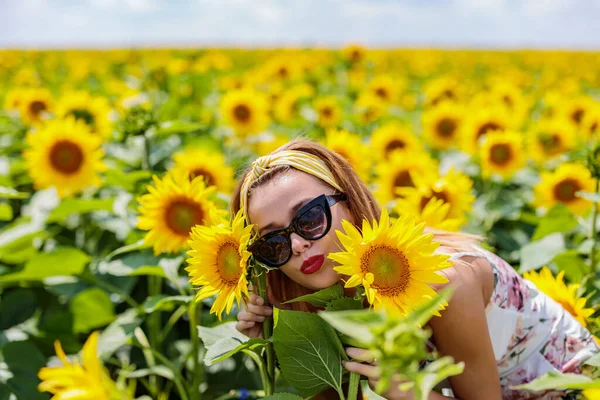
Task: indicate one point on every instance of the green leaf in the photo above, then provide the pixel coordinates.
(6, 212)
(24, 361)
(79, 206)
(133, 264)
(558, 219)
(345, 303)
(118, 333)
(355, 323)
(425, 311)
(594, 360)
(16, 242)
(573, 264)
(556, 380)
(309, 358)
(125, 180)
(537, 254)
(322, 297)
(170, 127)
(91, 309)
(163, 302)
(10, 193)
(227, 347)
(159, 370)
(139, 245)
(17, 306)
(64, 261)
(211, 335)
(435, 373)
(283, 396)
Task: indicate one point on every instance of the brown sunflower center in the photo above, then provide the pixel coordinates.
(208, 177)
(382, 93)
(394, 144)
(283, 72)
(182, 214)
(228, 262)
(500, 154)
(403, 179)
(577, 115)
(487, 127)
(326, 112)
(66, 157)
(594, 127)
(390, 268)
(242, 113)
(36, 107)
(446, 127)
(434, 195)
(507, 100)
(550, 142)
(565, 190)
(84, 115)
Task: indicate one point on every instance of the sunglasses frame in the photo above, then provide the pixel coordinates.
(324, 200)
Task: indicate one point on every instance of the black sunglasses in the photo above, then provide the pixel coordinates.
(311, 222)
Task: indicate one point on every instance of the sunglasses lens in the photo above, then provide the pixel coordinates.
(313, 223)
(274, 250)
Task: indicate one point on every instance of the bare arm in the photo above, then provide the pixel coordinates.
(462, 332)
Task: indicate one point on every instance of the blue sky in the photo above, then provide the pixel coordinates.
(445, 23)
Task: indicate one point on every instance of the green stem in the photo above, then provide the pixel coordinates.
(267, 333)
(260, 363)
(146, 154)
(171, 323)
(353, 386)
(178, 378)
(593, 234)
(197, 374)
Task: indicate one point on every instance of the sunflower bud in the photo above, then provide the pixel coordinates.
(136, 122)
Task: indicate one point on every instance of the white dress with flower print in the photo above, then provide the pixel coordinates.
(531, 333)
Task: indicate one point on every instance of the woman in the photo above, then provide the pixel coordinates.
(505, 331)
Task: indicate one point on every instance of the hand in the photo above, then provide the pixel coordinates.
(251, 317)
(368, 367)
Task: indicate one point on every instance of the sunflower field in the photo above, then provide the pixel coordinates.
(121, 270)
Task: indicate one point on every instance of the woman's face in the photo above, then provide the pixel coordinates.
(273, 205)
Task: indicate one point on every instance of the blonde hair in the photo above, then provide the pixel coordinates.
(361, 205)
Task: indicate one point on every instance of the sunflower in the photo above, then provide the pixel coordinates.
(35, 104)
(511, 97)
(386, 88)
(219, 260)
(213, 61)
(369, 108)
(329, 112)
(395, 172)
(550, 138)
(591, 122)
(351, 147)
(93, 110)
(246, 111)
(354, 54)
(287, 106)
(442, 89)
(14, 98)
(502, 153)
(454, 188)
(84, 380)
(441, 125)
(208, 164)
(394, 136)
(481, 121)
(64, 154)
(395, 263)
(575, 109)
(435, 215)
(562, 185)
(171, 208)
(563, 294)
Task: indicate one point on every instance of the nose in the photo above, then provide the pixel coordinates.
(299, 244)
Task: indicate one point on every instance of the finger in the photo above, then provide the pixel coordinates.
(244, 325)
(248, 316)
(256, 299)
(260, 310)
(360, 354)
(369, 371)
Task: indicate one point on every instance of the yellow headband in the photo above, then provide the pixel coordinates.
(300, 160)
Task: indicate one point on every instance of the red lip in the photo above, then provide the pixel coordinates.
(312, 264)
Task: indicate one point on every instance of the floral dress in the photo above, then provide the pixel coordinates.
(531, 333)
